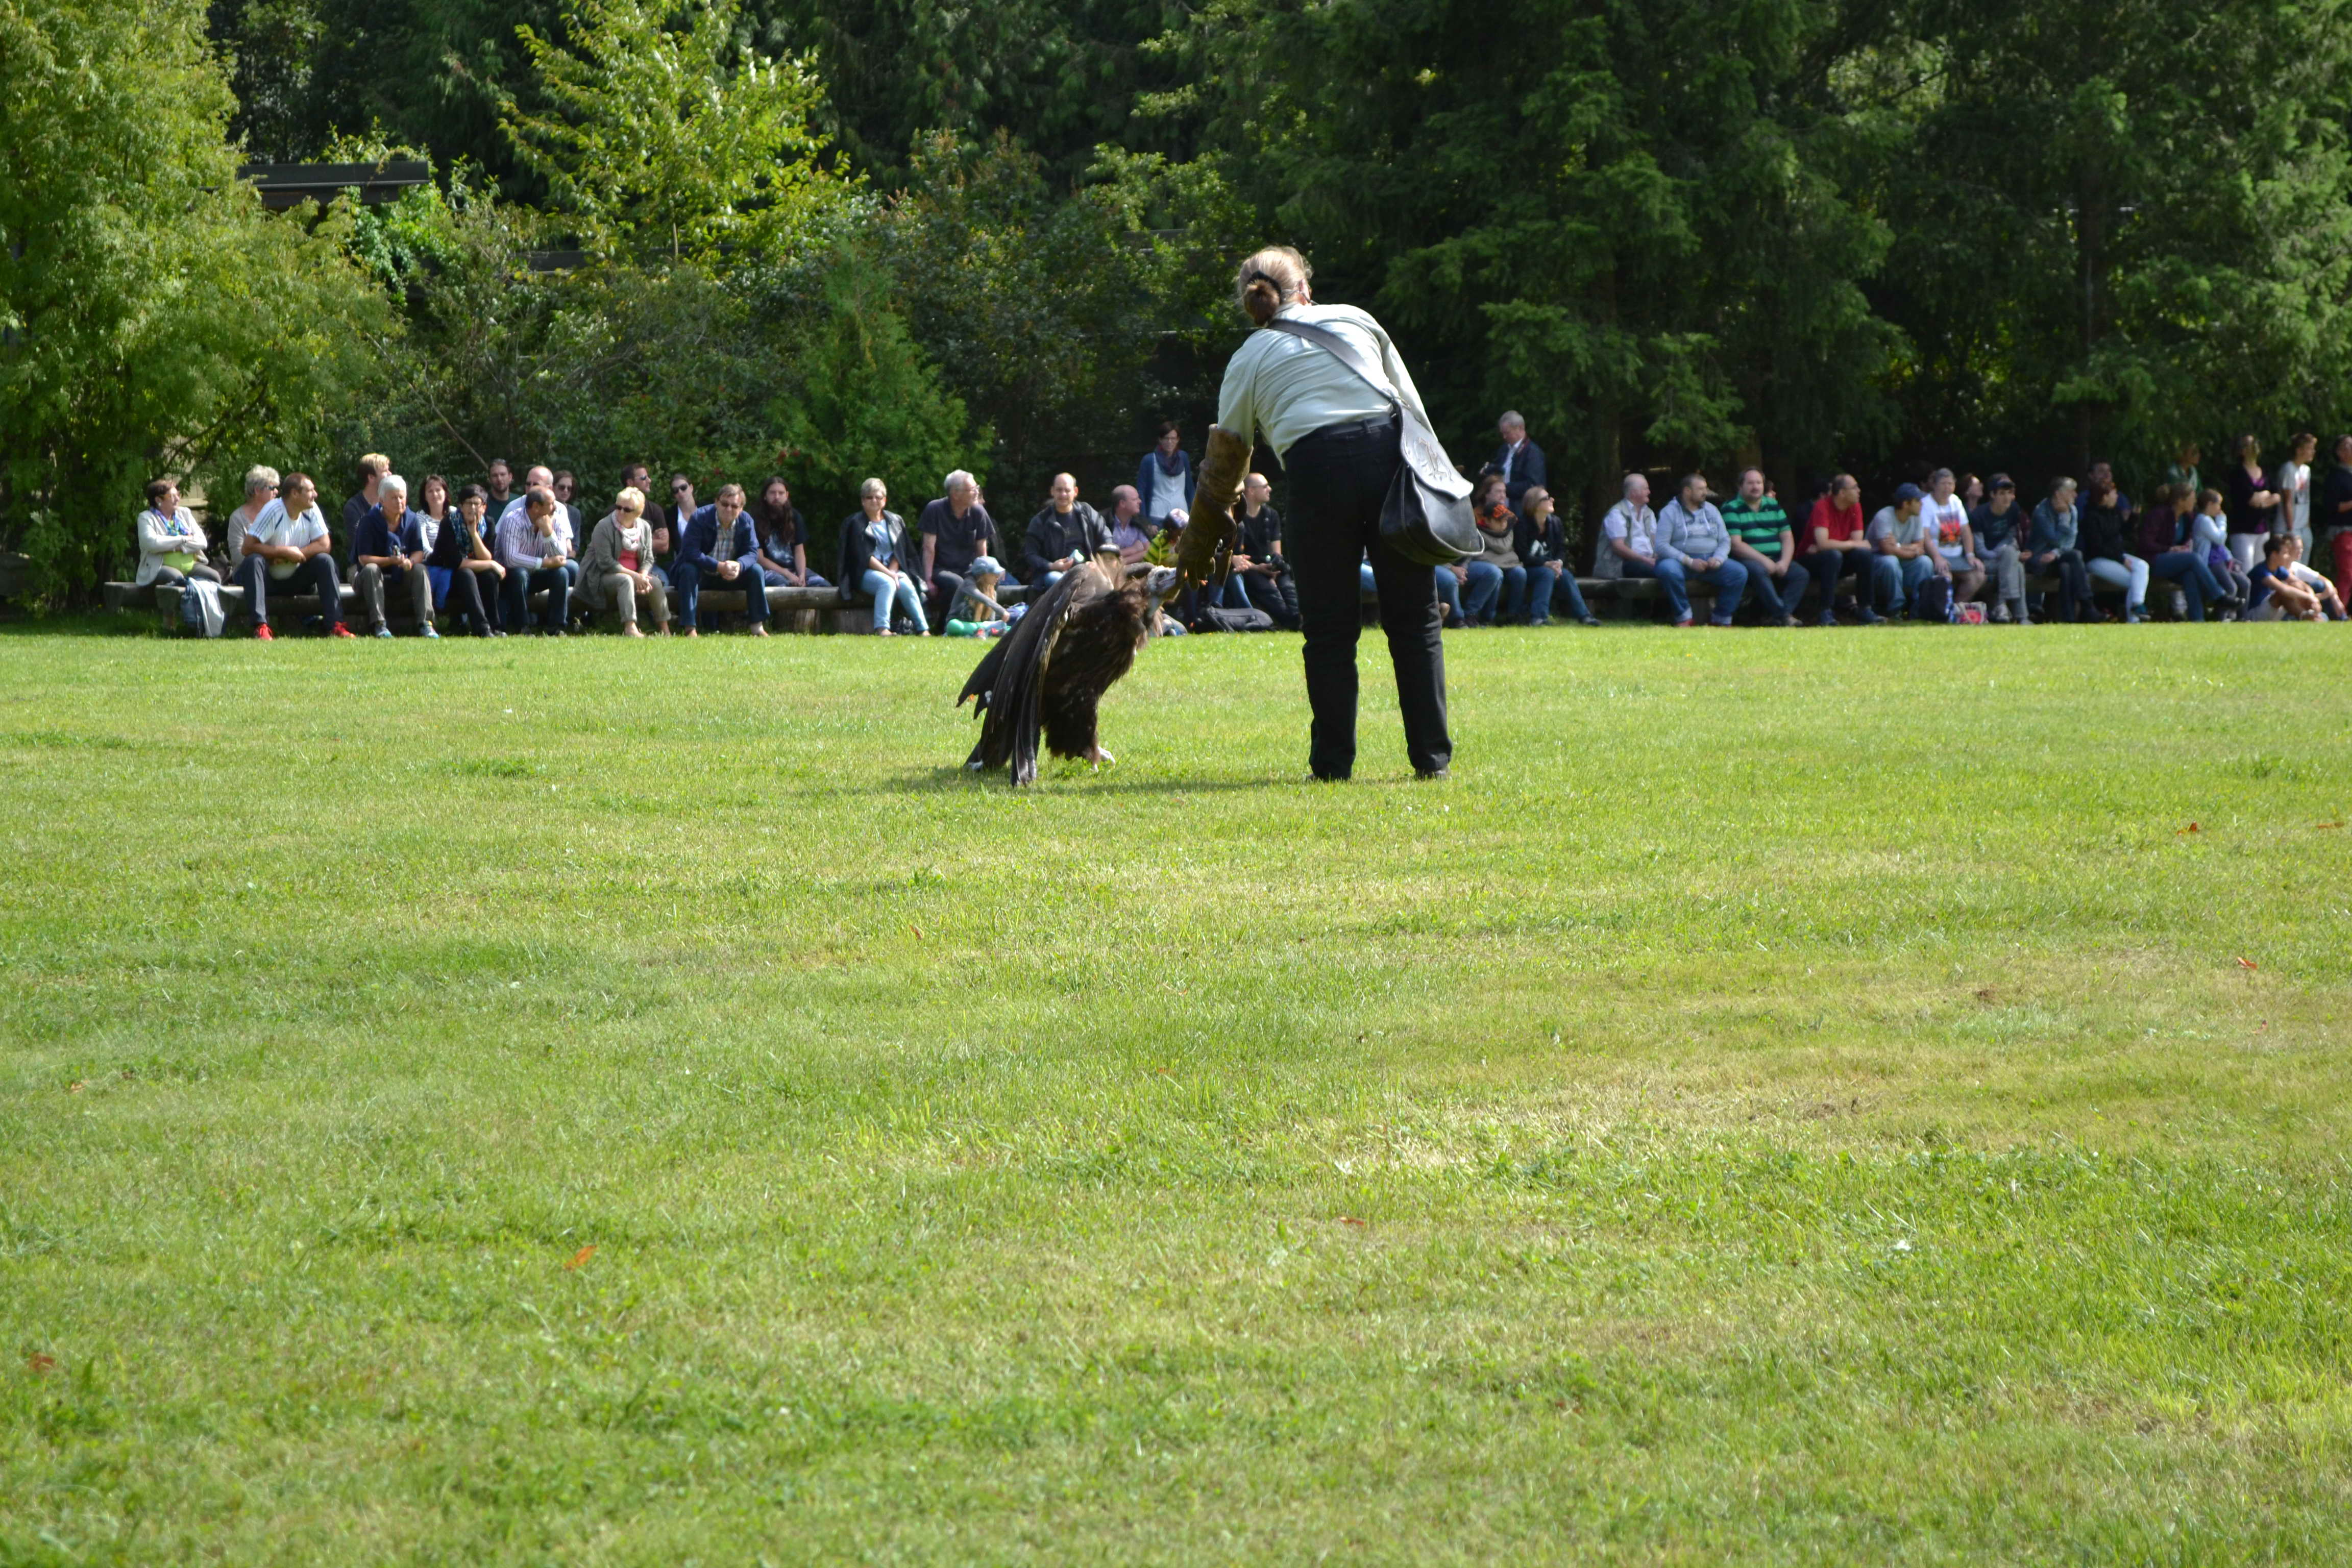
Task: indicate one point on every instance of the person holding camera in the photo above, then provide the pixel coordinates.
(1257, 575)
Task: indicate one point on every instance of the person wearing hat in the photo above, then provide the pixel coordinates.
(1902, 531)
(1999, 528)
(975, 611)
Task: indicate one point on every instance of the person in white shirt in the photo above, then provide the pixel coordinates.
(1340, 440)
(1946, 516)
(171, 545)
(287, 551)
(2293, 483)
(1629, 533)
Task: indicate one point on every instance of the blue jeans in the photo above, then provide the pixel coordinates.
(1777, 597)
(776, 579)
(1728, 580)
(901, 592)
(1449, 590)
(1911, 573)
(1548, 589)
(1485, 585)
(687, 583)
(514, 597)
(1497, 592)
(2193, 577)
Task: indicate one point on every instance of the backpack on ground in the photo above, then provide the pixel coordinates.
(200, 608)
(1226, 618)
(1934, 600)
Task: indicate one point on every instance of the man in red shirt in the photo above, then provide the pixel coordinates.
(1833, 546)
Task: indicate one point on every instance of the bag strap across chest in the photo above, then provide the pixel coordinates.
(1423, 450)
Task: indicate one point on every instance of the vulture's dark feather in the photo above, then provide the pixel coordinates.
(1047, 674)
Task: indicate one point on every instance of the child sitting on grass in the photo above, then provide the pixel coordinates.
(2277, 595)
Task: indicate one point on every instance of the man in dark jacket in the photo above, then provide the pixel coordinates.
(1519, 460)
(719, 548)
(1065, 531)
(956, 530)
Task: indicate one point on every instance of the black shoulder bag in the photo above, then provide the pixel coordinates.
(1426, 517)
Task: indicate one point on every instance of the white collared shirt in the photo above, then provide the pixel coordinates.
(1287, 387)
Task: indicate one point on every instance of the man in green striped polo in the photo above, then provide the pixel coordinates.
(1762, 541)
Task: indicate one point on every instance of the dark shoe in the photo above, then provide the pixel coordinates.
(1592, 620)
(1433, 775)
(1828, 619)
(1872, 618)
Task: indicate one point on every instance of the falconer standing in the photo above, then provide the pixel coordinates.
(1339, 436)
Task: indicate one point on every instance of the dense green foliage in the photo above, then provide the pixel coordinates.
(152, 316)
(1814, 234)
(1728, 1123)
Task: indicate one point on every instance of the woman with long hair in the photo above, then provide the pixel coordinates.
(783, 542)
(2254, 504)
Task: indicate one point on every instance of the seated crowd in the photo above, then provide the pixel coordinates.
(495, 560)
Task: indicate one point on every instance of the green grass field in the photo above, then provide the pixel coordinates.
(1789, 1098)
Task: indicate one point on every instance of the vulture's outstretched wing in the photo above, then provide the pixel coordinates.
(1009, 685)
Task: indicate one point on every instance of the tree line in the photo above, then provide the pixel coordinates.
(881, 235)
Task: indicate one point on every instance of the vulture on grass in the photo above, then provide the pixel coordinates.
(1052, 669)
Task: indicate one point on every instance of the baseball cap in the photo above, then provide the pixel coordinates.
(1907, 492)
(984, 566)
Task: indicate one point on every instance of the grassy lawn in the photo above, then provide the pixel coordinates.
(1791, 1098)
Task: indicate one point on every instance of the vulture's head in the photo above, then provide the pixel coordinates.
(1160, 585)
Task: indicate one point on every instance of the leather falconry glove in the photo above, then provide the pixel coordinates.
(1208, 536)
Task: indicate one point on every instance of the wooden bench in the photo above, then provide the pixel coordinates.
(806, 610)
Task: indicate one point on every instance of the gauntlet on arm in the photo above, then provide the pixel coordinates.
(1208, 535)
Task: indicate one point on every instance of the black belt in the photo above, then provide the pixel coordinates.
(1371, 426)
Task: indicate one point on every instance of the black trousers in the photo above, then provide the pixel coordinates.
(465, 601)
(1338, 477)
(2073, 581)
